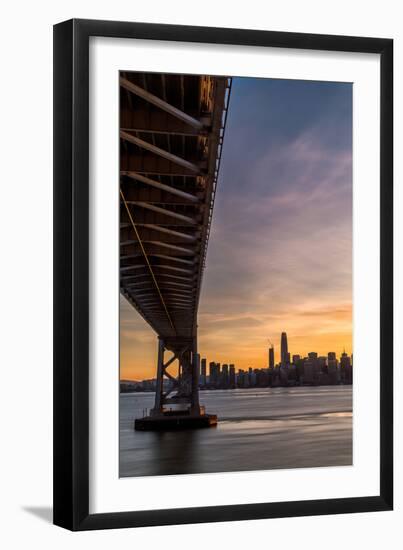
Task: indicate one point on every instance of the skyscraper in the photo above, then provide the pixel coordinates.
(232, 378)
(214, 374)
(284, 348)
(345, 360)
(203, 372)
(203, 367)
(225, 376)
(345, 368)
(271, 357)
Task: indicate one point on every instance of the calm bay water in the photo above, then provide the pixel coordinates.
(258, 429)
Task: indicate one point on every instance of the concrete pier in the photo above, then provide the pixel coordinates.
(175, 420)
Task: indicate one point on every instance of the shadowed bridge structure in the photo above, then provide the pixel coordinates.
(171, 137)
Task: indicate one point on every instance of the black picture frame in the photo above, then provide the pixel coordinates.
(71, 274)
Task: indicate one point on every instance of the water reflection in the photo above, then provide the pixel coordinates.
(258, 429)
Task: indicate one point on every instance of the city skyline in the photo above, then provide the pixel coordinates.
(281, 238)
(208, 362)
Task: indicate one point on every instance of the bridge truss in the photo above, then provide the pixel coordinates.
(171, 137)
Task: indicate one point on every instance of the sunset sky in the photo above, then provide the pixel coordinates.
(280, 250)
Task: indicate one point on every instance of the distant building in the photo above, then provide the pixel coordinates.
(311, 372)
(251, 377)
(299, 369)
(232, 379)
(346, 370)
(271, 357)
(127, 386)
(148, 385)
(345, 360)
(242, 379)
(292, 375)
(225, 376)
(203, 367)
(214, 374)
(262, 378)
(203, 372)
(322, 363)
(333, 370)
(284, 348)
(283, 375)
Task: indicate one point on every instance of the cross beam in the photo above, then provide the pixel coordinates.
(158, 102)
(161, 186)
(160, 210)
(158, 151)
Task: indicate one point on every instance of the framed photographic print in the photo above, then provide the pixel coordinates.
(223, 320)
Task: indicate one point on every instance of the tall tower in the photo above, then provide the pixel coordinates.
(284, 349)
(271, 357)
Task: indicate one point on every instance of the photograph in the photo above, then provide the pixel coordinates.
(223, 274)
(236, 274)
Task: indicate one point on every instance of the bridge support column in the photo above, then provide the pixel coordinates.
(160, 379)
(177, 407)
(195, 406)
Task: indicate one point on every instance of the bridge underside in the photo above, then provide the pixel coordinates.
(171, 130)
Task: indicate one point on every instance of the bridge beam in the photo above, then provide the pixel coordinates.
(161, 186)
(160, 152)
(158, 102)
(164, 211)
(163, 229)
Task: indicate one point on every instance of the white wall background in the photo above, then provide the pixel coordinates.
(26, 267)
